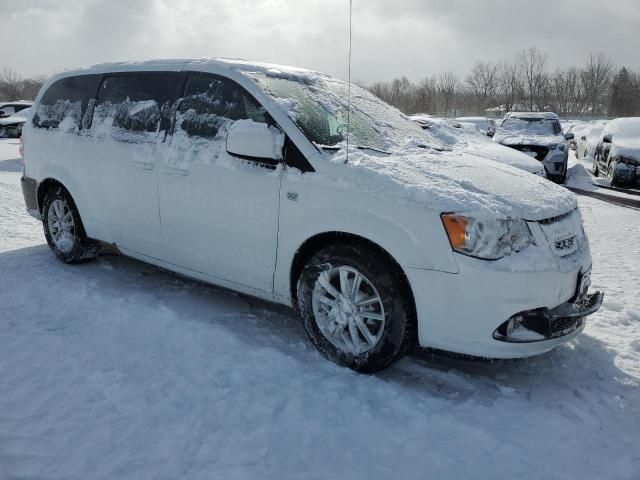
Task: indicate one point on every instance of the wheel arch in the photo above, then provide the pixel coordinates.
(45, 186)
(322, 240)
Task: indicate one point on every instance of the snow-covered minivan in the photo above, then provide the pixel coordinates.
(295, 187)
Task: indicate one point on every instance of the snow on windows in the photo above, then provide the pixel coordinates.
(132, 107)
(65, 102)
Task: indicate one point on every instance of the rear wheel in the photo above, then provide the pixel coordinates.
(63, 228)
(356, 308)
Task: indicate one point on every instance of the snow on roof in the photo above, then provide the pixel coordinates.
(549, 115)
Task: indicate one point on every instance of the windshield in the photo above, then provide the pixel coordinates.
(318, 105)
(531, 125)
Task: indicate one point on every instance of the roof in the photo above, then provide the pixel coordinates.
(16, 102)
(549, 115)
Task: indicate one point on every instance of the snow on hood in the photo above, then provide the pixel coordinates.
(626, 147)
(400, 160)
(509, 156)
(510, 138)
(18, 117)
(455, 182)
(478, 144)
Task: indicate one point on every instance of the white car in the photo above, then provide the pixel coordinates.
(486, 126)
(11, 126)
(470, 142)
(239, 174)
(587, 139)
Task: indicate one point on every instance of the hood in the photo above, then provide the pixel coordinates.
(454, 182)
(509, 156)
(510, 138)
(626, 147)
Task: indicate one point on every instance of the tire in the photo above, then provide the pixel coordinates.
(391, 335)
(69, 243)
(596, 170)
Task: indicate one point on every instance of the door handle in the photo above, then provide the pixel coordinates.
(142, 165)
(175, 171)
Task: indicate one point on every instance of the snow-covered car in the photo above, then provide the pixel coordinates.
(465, 141)
(576, 128)
(248, 176)
(486, 126)
(11, 127)
(539, 135)
(587, 139)
(617, 153)
(10, 108)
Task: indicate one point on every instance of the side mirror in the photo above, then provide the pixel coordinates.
(255, 141)
(607, 138)
(569, 136)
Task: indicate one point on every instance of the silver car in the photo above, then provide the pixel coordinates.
(539, 135)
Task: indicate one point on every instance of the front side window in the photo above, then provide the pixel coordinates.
(211, 104)
(65, 102)
(130, 107)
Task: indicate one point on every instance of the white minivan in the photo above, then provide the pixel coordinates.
(295, 187)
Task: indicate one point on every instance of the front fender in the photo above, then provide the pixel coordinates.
(413, 236)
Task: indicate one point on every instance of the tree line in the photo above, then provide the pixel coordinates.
(490, 88)
(524, 83)
(14, 87)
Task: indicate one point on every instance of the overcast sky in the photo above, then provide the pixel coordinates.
(390, 37)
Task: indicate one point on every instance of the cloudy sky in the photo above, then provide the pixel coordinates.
(390, 37)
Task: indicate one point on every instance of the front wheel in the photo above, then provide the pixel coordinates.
(63, 228)
(356, 307)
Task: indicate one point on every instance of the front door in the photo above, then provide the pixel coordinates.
(219, 213)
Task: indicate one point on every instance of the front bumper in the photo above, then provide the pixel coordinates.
(556, 163)
(543, 324)
(30, 194)
(460, 312)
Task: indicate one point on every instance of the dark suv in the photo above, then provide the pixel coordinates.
(539, 135)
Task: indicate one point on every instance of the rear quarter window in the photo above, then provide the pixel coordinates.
(65, 103)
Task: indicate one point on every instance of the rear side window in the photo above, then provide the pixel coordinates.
(132, 104)
(211, 104)
(65, 102)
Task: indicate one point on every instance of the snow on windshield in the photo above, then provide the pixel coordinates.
(319, 104)
(531, 125)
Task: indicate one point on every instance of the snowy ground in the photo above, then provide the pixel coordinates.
(115, 369)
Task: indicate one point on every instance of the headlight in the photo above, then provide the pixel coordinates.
(553, 146)
(489, 239)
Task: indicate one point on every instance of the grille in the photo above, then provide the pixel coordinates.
(564, 232)
(540, 151)
(562, 326)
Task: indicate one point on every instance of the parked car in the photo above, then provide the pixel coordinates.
(539, 135)
(587, 140)
(9, 108)
(11, 127)
(457, 138)
(487, 126)
(576, 129)
(618, 152)
(239, 174)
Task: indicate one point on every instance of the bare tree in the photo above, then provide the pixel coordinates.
(447, 85)
(482, 85)
(9, 84)
(511, 88)
(533, 65)
(596, 77)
